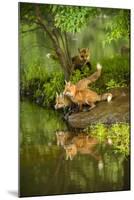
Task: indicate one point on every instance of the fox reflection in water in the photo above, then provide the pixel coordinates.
(82, 144)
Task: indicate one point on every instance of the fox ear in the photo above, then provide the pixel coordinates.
(69, 83)
(87, 49)
(65, 82)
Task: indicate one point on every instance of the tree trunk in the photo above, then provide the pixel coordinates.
(63, 55)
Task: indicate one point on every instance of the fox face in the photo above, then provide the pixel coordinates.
(84, 54)
(60, 101)
(83, 58)
(70, 89)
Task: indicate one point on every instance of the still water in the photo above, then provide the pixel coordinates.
(45, 168)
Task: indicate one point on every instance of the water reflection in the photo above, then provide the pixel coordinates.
(80, 144)
(44, 169)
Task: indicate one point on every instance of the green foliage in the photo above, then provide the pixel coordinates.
(113, 84)
(78, 75)
(35, 70)
(56, 84)
(118, 133)
(118, 27)
(72, 18)
(99, 131)
(41, 85)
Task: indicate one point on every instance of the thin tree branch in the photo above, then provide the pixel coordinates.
(56, 44)
(68, 52)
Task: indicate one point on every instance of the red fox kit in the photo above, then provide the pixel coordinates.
(84, 96)
(83, 58)
(64, 101)
(79, 94)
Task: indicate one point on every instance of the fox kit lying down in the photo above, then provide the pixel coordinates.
(84, 96)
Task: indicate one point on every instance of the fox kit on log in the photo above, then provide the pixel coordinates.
(80, 94)
(84, 96)
(63, 101)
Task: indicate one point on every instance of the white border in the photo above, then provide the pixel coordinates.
(9, 98)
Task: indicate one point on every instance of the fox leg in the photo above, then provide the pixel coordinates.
(91, 104)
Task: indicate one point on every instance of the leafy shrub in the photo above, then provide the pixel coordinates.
(113, 84)
(40, 85)
(99, 131)
(78, 75)
(56, 84)
(117, 133)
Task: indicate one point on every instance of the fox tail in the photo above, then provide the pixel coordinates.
(106, 96)
(99, 66)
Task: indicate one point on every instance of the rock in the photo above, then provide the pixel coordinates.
(115, 111)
